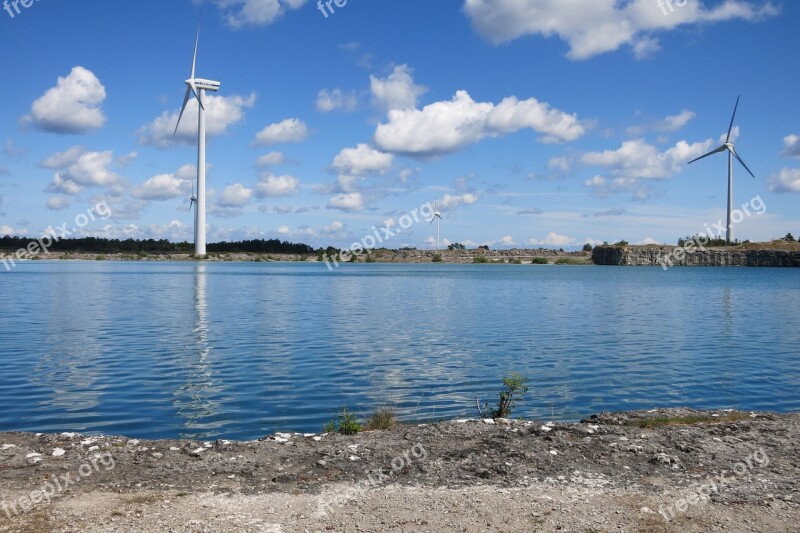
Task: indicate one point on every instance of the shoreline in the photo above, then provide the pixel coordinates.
(641, 471)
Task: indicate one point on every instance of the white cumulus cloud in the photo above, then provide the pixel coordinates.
(396, 91)
(222, 112)
(274, 186)
(447, 126)
(291, 130)
(362, 160)
(236, 195)
(334, 100)
(791, 146)
(244, 13)
(72, 106)
(353, 201)
(787, 180)
(593, 27)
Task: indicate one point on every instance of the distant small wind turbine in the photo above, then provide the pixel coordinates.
(437, 216)
(731, 154)
(198, 87)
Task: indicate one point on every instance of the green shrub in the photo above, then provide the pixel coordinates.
(100, 257)
(437, 258)
(481, 259)
(346, 424)
(515, 261)
(540, 261)
(370, 259)
(515, 388)
(569, 261)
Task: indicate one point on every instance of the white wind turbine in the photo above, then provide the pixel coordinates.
(731, 154)
(437, 216)
(198, 87)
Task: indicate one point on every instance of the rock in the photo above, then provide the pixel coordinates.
(665, 459)
(58, 452)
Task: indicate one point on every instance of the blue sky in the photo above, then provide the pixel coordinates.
(530, 122)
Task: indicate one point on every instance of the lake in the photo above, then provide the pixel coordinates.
(241, 350)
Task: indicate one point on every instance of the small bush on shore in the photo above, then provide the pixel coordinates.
(515, 388)
(540, 261)
(569, 261)
(515, 261)
(346, 424)
(481, 259)
(384, 418)
(100, 257)
(437, 258)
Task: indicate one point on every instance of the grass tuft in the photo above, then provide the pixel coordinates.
(665, 421)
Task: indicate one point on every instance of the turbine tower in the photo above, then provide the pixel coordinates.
(437, 216)
(731, 154)
(198, 87)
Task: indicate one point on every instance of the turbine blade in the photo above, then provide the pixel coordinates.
(193, 87)
(718, 150)
(194, 57)
(183, 108)
(434, 218)
(742, 162)
(728, 138)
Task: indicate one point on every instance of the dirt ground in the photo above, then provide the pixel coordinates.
(613, 472)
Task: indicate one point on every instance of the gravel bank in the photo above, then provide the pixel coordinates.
(612, 472)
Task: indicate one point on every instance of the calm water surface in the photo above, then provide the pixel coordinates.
(240, 350)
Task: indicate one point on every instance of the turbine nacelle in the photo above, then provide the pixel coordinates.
(200, 83)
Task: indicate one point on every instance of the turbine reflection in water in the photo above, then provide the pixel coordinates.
(196, 400)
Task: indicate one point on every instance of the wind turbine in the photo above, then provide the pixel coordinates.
(731, 154)
(437, 216)
(198, 87)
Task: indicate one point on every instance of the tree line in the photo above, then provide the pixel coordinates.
(162, 246)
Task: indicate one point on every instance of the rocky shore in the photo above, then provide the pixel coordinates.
(778, 254)
(662, 471)
(521, 255)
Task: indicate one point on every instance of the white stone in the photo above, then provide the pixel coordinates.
(34, 454)
(553, 452)
(134, 442)
(58, 452)
(7, 446)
